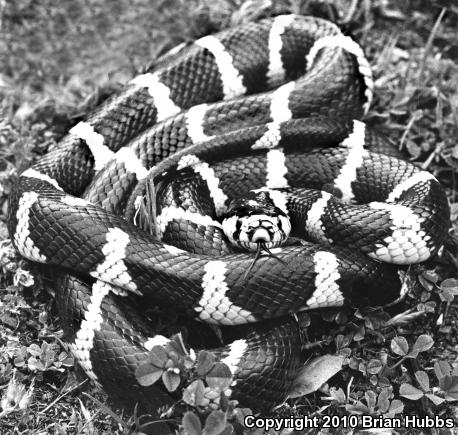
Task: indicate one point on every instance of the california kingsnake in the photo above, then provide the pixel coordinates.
(183, 127)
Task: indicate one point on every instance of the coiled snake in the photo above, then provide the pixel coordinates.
(273, 106)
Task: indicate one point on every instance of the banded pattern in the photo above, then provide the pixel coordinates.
(201, 128)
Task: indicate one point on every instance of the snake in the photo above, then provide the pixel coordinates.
(268, 197)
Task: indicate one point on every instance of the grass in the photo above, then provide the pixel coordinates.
(60, 59)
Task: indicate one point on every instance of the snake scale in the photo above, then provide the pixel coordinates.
(275, 106)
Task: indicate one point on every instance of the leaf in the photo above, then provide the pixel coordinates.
(375, 320)
(337, 395)
(328, 316)
(446, 296)
(223, 402)
(374, 366)
(359, 408)
(428, 285)
(396, 407)
(66, 359)
(205, 362)
(360, 333)
(191, 424)
(383, 402)
(449, 288)
(171, 379)
(194, 394)
(400, 346)
(450, 284)
(441, 369)
(19, 361)
(410, 392)
(445, 382)
(188, 362)
(157, 356)
(176, 344)
(430, 306)
(315, 373)
(435, 399)
(342, 341)
(422, 379)
(147, 374)
(219, 377)
(451, 396)
(241, 413)
(345, 352)
(228, 430)
(34, 350)
(430, 275)
(354, 362)
(383, 382)
(215, 423)
(449, 384)
(413, 149)
(424, 342)
(371, 399)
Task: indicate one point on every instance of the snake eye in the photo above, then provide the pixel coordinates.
(250, 223)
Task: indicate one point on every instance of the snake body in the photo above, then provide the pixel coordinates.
(271, 105)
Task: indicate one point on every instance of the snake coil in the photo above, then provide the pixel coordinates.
(274, 106)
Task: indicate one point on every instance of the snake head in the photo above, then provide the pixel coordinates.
(255, 220)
